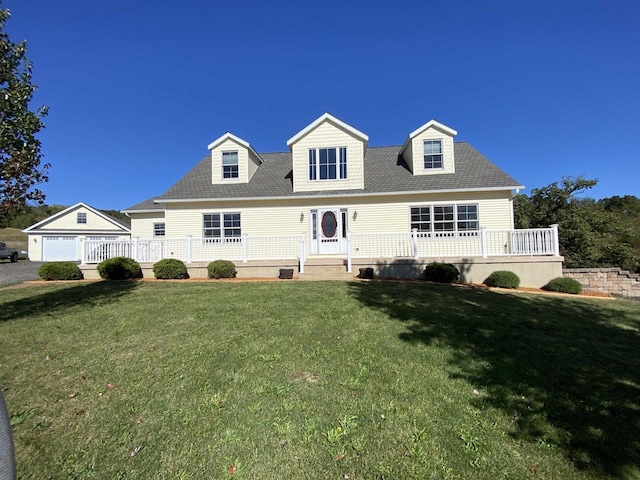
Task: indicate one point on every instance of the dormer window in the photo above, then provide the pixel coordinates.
(327, 163)
(433, 154)
(230, 164)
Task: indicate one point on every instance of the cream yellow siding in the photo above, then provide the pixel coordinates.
(253, 165)
(408, 155)
(69, 221)
(328, 135)
(416, 153)
(366, 214)
(243, 162)
(142, 223)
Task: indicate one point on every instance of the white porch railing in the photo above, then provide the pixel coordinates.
(480, 243)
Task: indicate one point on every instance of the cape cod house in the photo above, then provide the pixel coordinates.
(333, 201)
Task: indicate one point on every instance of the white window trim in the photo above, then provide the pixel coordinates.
(82, 215)
(431, 169)
(317, 164)
(164, 229)
(222, 165)
(222, 237)
(456, 220)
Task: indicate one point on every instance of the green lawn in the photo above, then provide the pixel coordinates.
(379, 380)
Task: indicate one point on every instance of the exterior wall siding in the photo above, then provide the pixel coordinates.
(142, 223)
(69, 222)
(324, 136)
(243, 162)
(253, 165)
(291, 217)
(417, 150)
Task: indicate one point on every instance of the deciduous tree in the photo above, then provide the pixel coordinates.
(21, 166)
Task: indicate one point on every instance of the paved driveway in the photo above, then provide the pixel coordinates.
(21, 271)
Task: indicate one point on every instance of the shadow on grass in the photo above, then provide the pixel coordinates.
(567, 370)
(53, 301)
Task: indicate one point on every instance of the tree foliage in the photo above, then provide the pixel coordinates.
(591, 233)
(21, 167)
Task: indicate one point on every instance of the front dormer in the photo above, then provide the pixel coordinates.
(429, 149)
(233, 160)
(328, 154)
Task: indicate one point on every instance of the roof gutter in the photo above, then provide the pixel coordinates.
(340, 195)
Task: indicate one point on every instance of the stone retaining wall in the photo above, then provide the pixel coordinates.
(607, 280)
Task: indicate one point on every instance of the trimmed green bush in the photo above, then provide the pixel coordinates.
(60, 271)
(441, 272)
(119, 268)
(170, 269)
(563, 285)
(503, 279)
(221, 269)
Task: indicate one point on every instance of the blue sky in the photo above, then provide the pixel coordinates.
(137, 89)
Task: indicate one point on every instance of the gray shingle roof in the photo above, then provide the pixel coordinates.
(384, 172)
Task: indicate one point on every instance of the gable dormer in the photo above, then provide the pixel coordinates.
(233, 160)
(429, 149)
(328, 154)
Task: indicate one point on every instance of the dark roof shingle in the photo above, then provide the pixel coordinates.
(385, 171)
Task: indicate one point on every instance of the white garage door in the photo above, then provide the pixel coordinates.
(59, 248)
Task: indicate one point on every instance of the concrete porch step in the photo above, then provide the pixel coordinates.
(325, 269)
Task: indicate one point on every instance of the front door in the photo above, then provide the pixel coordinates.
(328, 231)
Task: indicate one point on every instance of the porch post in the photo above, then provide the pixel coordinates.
(188, 248)
(244, 249)
(302, 253)
(349, 263)
(414, 238)
(483, 237)
(83, 258)
(556, 240)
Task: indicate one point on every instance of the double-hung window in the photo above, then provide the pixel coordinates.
(433, 154)
(327, 163)
(445, 218)
(221, 226)
(81, 217)
(159, 229)
(229, 164)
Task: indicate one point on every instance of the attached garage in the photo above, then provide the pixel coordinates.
(60, 237)
(59, 248)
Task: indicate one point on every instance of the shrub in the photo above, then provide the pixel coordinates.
(503, 279)
(221, 269)
(170, 269)
(119, 268)
(564, 285)
(441, 272)
(60, 271)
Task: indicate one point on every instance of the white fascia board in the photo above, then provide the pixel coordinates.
(231, 136)
(373, 194)
(151, 210)
(434, 123)
(323, 118)
(77, 232)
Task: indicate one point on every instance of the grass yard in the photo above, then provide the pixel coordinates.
(336, 380)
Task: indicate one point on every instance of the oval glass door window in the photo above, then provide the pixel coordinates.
(329, 224)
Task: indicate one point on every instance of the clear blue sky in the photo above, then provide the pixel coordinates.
(138, 88)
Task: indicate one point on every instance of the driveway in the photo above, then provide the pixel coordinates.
(21, 271)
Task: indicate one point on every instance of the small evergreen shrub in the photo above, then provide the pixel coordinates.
(60, 271)
(170, 269)
(441, 272)
(119, 268)
(563, 285)
(221, 269)
(503, 279)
